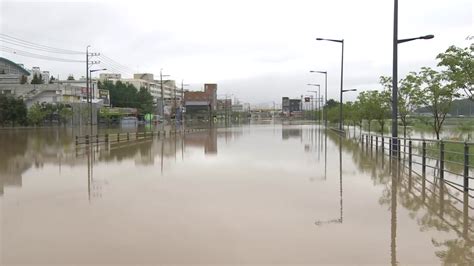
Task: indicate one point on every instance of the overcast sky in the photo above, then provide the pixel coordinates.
(257, 50)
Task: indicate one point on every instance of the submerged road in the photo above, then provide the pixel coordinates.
(251, 194)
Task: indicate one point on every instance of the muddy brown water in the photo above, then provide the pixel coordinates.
(252, 194)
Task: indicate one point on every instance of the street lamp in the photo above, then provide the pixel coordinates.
(318, 93)
(325, 94)
(396, 41)
(90, 76)
(312, 102)
(342, 74)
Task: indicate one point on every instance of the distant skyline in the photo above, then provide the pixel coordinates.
(257, 50)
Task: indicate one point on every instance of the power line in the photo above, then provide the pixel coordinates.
(115, 63)
(31, 47)
(52, 49)
(38, 56)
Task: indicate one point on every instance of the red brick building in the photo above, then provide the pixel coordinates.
(201, 99)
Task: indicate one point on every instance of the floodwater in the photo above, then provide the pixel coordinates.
(252, 194)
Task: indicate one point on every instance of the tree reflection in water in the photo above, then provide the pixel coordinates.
(431, 202)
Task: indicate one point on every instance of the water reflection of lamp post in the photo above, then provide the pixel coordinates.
(393, 221)
(340, 219)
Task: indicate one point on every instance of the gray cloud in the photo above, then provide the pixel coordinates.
(260, 50)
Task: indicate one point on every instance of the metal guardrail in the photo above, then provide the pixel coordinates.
(123, 137)
(448, 158)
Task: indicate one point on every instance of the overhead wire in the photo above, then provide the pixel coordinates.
(38, 56)
(51, 49)
(105, 61)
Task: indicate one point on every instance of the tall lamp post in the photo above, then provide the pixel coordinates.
(318, 92)
(342, 75)
(396, 41)
(325, 94)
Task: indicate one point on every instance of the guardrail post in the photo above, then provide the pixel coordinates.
(77, 140)
(107, 138)
(399, 148)
(128, 136)
(466, 167)
(423, 158)
(97, 139)
(383, 144)
(409, 154)
(362, 139)
(376, 143)
(390, 139)
(136, 135)
(87, 139)
(371, 141)
(441, 160)
(118, 137)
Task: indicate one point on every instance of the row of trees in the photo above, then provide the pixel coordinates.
(38, 79)
(13, 112)
(126, 95)
(433, 89)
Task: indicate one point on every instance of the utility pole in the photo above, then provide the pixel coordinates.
(162, 96)
(88, 87)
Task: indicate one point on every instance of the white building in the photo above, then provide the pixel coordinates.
(43, 74)
(107, 76)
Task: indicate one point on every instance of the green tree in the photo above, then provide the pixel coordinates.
(145, 101)
(459, 64)
(64, 113)
(51, 79)
(409, 96)
(332, 103)
(12, 111)
(36, 114)
(353, 112)
(382, 110)
(70, 77)
(367, 105)
(35, 79)
(437, 96)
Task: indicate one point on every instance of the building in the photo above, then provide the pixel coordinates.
(201, 100)
(224, 105)
(44, 75)
(107, 76)
(171, 94)
(12, 73)
(285, 105)
(290, 106)
(295, 105)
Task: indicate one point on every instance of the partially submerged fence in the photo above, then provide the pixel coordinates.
(449, 160)
(129, 136)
